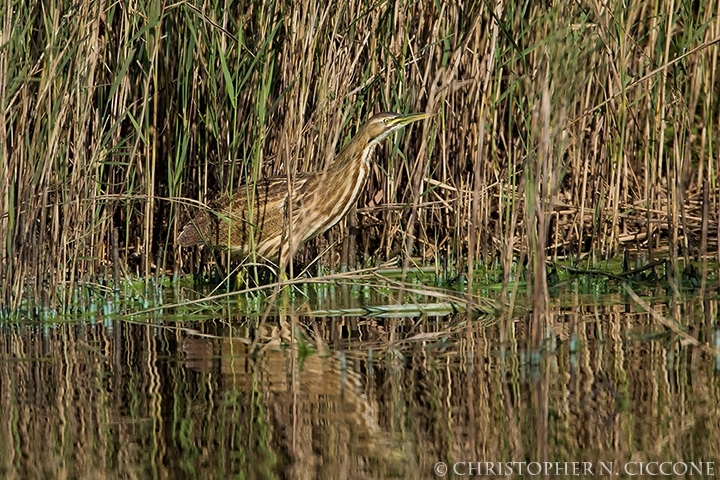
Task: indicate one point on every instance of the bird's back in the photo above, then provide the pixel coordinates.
(250, 216)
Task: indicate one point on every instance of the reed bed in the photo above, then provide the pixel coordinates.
(567, 129)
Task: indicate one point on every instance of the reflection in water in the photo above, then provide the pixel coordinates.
(374, 398)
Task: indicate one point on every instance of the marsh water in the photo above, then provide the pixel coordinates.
(200, 391)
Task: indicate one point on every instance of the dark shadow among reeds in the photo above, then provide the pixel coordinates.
(574, 130)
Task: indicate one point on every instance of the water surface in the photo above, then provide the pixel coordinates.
(178, 393)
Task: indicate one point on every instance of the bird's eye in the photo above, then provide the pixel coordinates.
(386, 121)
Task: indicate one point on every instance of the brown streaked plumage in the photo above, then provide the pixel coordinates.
(319, 200)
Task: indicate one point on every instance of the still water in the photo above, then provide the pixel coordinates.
(176, 393)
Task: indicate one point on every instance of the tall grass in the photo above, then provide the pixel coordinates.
(563, 129)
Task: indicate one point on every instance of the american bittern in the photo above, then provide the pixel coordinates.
(257, 216)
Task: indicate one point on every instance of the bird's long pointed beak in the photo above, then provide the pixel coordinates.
(413, 117)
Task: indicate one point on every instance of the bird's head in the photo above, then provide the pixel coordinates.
(381, 125)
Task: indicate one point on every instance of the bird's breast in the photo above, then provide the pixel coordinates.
(337, 192)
